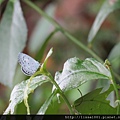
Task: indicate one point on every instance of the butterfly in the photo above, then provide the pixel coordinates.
(28, 65)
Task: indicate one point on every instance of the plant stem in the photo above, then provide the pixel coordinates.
(116, 90)
(81, 45)
(26, 95)
(61, 93)
(66, 33)
(26, 100)
(58, 89)
(114, 85)
(42, 13)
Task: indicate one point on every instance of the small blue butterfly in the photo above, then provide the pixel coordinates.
(28, 65)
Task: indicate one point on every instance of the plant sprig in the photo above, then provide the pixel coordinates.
(108, 65)
(66, 33)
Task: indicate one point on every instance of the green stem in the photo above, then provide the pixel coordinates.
(26, 100)
(116, 90)
(61, 93)
(81, 45)
(59, 89)
(72, 38)
(42, 13)
(114, 84)
(65, 32)
(26, 92)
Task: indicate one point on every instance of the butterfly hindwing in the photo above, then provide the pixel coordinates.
(28, 65)
(26, 72)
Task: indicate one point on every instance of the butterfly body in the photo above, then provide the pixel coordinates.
(28, 65)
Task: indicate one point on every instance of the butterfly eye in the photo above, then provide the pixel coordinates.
(28, 65)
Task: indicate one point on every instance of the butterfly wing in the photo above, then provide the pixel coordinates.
(28, 65)
(26, 71)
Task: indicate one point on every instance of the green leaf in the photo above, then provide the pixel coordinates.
(41, 50)
(108, 7)
(13, 34)
(42, 30)
(95, 103)
(17, 94)
(76, 72)
(114, 56)
(46, 104)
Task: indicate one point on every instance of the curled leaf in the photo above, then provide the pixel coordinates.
(76, 72)
(17, 94)
(43, 66)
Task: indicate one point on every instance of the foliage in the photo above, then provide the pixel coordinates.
(14, 27)
(95, 103)
(105, 10)
(75, 72)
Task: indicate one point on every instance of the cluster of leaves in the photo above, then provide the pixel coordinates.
(75, 71)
